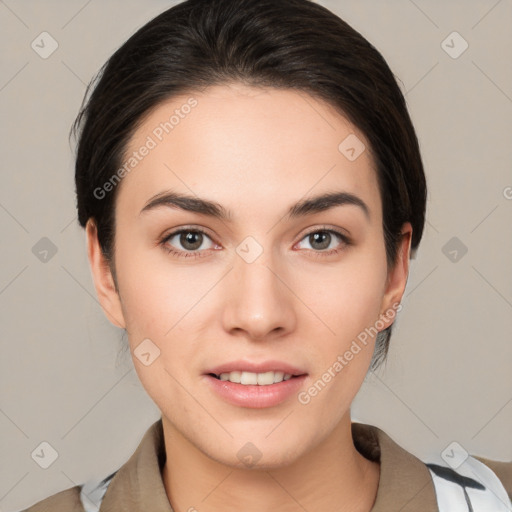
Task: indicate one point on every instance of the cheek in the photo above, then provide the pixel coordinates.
(158, 305)
(166, 304)
(155, 295)
(349, 306)
(348, 301)
(348, 296)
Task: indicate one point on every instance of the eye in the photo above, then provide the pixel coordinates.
(191, 240)
(321, 241)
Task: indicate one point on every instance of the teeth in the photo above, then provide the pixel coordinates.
(232, 377)
(261, 379)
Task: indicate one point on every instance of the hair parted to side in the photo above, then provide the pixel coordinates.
(286, 44)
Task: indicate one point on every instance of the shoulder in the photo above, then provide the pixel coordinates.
(86, 497)
(449, 481)
(138, 476)
(65, 501)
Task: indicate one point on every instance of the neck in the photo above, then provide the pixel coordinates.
(332, 476)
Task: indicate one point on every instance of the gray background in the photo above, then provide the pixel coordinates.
(448, 374)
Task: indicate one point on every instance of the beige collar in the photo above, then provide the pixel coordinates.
(405, 483)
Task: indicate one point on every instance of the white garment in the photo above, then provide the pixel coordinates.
(92, 493)
(471, 487)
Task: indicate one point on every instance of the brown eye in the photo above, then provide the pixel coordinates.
(186, 241)
(320, 240)
(324, 241)
(191, 240)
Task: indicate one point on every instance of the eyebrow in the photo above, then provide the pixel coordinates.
(213, 209)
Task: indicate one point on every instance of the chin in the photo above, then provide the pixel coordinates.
(255, 452)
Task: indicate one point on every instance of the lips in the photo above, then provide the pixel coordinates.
(255, 396)
(253, 367)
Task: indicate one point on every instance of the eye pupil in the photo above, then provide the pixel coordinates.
(187, 240)
(322, 237)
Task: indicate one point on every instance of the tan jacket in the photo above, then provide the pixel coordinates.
(405, 483)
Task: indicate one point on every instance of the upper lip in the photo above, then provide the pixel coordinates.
(251, 366)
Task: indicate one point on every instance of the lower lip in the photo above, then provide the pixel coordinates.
(255, 396)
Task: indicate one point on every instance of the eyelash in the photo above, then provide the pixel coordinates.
(197, 254)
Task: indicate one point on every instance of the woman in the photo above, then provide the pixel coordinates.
(251, 188)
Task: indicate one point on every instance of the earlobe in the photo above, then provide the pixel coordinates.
(397, 277)
(104, 283)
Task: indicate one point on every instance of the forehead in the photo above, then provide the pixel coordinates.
(238, 144)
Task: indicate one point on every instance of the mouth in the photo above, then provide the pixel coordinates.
(255, 390)
(255, 379)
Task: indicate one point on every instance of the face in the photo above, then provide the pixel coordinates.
(262, 273)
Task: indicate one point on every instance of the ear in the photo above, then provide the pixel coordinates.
(102, 277)
(397, 278)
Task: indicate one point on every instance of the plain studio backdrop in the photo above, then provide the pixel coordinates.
(448, 376)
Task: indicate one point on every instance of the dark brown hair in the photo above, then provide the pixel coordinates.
(287, 44)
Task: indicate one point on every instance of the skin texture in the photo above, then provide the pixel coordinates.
(256, 152)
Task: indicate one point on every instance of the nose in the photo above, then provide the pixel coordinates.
(259, 301)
